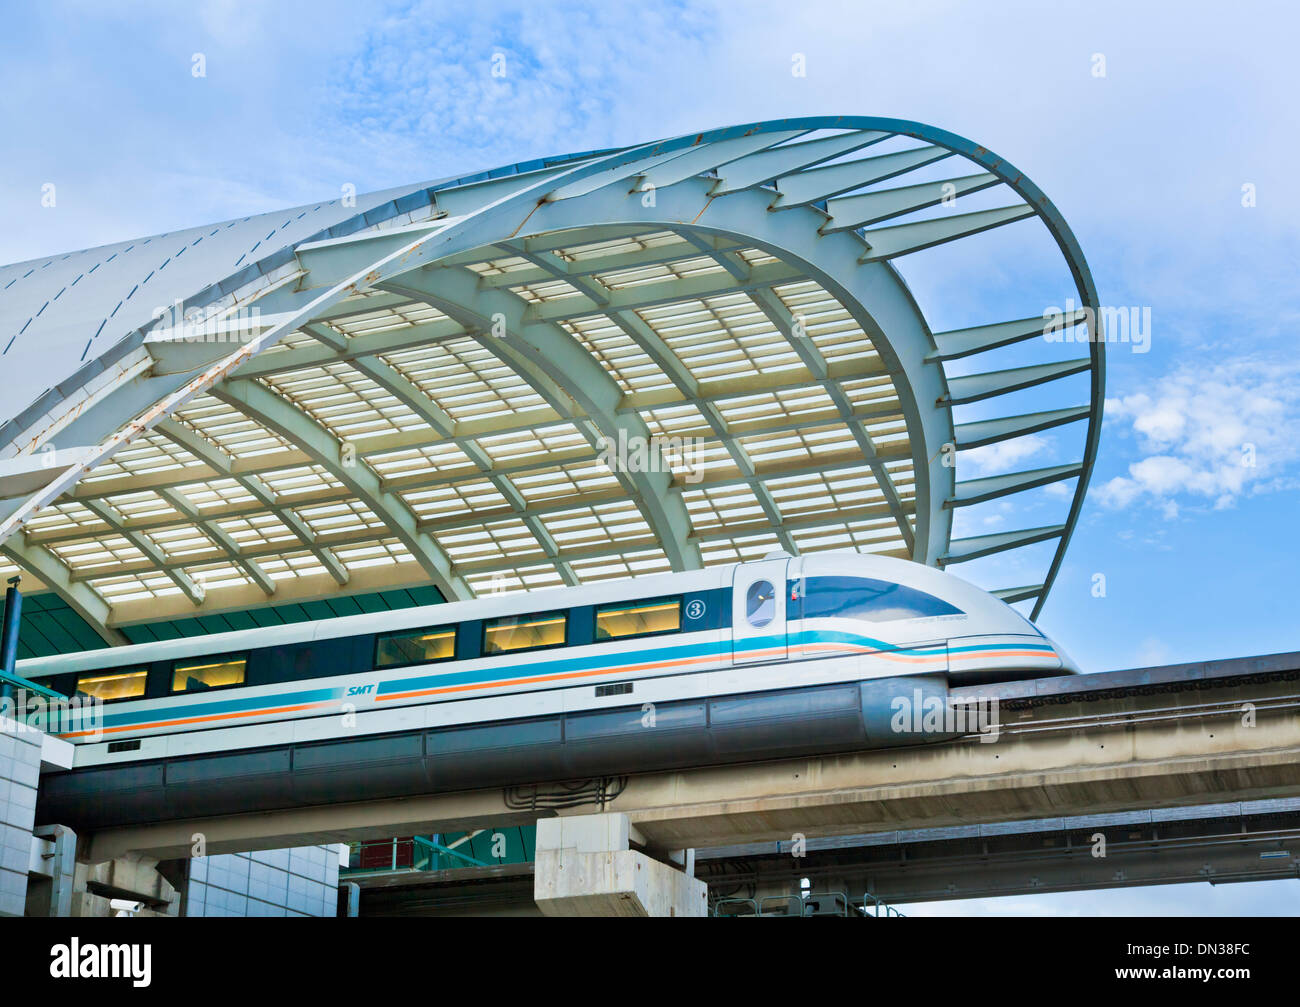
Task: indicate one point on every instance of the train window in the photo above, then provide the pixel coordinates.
(208, 673)
(418, 646)
(113, 685)
(869, 600)
(760, 603)
(638, 618)
(524, 632)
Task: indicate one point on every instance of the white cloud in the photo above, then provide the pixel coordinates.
(1005, 456)
(428, 84)
(1152, 652)
(1209, 435)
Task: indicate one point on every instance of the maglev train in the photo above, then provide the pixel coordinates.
(777, 658)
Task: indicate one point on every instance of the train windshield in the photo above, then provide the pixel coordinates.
(869, 600)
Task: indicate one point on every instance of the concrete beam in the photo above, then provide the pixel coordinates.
(132, 877)
(585, 866)
(1097, 756)
(1116, 768)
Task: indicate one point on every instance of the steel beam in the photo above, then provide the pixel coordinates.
(904, 239)
(980, 432)
(81, 598)
(979, 338)
(973, 491)
(673, 291)
(779, 315)
(851, 212)
(221, 538)
(974, 387)
(892, 322)
(221, 462)
(963, 549)
(410, 395)
(261, 404)
(816, 184)
(147, 547)
(563, 361)
(777, 162)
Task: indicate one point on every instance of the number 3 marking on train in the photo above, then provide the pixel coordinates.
(695, 609)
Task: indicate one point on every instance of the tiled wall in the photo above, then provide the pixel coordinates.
(20, 768)
(297, 882)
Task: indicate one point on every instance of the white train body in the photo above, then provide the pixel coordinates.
(777, 624)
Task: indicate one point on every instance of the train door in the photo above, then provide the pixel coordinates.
(758, 611)
(795, 588)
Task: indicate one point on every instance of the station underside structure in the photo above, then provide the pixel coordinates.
(628, 361)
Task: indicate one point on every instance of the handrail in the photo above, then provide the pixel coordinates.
(22, 683)
(840, 900)
(439, 848)
(876, 904)
(772, 899)
(872, 905)
(751, 903)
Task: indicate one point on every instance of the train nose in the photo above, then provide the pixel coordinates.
(1003, 656)
(1068, 665)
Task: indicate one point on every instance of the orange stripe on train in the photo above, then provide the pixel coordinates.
(557, 677)
(564, 676)
(201, 720)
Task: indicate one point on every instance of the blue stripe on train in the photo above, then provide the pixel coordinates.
(707, 648)
(195, 709)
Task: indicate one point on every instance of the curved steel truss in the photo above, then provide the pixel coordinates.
(661, 357)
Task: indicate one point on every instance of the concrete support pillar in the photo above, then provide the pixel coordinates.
(353, 892)
(52, 873)
(585, 866)
(129, 878)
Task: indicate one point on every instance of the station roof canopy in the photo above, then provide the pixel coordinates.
(619, 362)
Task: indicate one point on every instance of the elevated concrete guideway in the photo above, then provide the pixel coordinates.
(1109, 742)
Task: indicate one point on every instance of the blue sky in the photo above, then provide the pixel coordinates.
(1148, 164)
